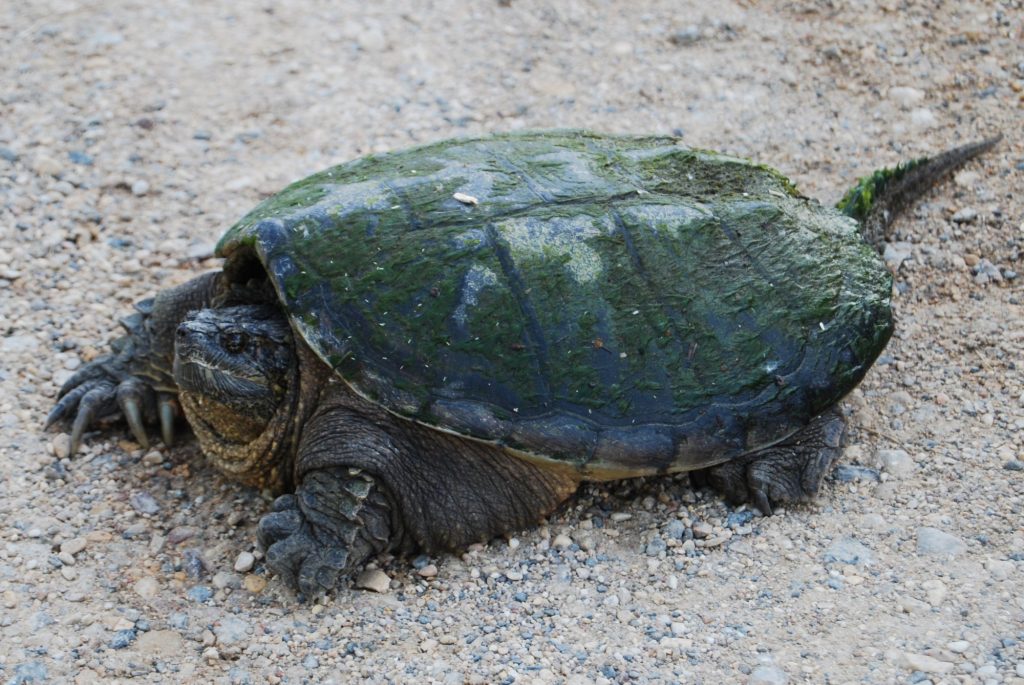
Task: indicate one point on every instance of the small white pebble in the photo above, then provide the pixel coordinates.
(244, 562)
(374, 580)
(73, 546)
(561, 541)
(466, 199)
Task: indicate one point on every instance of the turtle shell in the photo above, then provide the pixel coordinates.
(622, 304)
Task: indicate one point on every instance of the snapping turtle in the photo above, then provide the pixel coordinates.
(431, 347)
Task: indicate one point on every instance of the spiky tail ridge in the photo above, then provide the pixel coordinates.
(877, 199)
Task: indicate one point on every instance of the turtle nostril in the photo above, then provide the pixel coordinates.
(181, 333)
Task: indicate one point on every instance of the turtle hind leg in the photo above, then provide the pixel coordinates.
(790, 471)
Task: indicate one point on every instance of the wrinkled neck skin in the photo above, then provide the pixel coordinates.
(250, 451)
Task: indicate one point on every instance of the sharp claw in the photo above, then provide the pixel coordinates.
(53, 416)
(133, 414)
(67, 403)
(81, 423)
(761, 501)
(168, 409)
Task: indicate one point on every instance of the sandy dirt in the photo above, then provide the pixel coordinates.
(133, 133)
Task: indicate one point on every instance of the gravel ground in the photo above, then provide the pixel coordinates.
(132, 134)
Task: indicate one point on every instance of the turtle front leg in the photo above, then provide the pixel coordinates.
(135, 378)
(326, 531)
(790, 471)
(369, 482)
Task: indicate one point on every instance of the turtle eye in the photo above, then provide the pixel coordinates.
(234, 342)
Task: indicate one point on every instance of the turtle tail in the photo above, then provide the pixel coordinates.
(877, 199)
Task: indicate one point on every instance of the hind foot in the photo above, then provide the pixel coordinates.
(790, 471)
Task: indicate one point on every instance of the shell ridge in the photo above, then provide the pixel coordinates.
(522, 298)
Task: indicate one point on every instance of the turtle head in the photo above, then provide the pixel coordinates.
(233, 366)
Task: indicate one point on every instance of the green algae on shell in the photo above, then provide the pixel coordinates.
(622, 304)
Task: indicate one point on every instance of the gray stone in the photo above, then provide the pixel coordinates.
(849, 473)
(373, 579)
(144, 503)
(231, 630)
(927, 664)
(897, 253)
(895, 462)
(965, 215)
(935, 542)
(767, 675)
(848, 551)
(905, 96)
(162, 643)
(675, 529)
(656, 546)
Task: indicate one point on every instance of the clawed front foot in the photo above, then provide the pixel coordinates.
(103, 389)
(326, 531)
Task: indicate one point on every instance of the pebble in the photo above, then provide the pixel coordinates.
(146, 587)
(140, 187)
(767, 675)
(180, 534)
(675, 530)
(619, 516)
(47, 166)
(244, 562)
(160, 643)
(687, 36)
(200, 593)
(122, 638)
(428, 571)
(965, 215)
(897, 253)
(986, 271)
(935, 591)
(61, 444)
(701, 529)
(655, 547)
(144, 503)
(561, 541)
(927, 664)
(73, 545)
(79, 157)
(897, 463)
(849, 473)
(923, 118)
(905, 96)
(254, 584)
(373, 579)
(848, 551)
(231, 630)
(32, 672)
(152, 458)
(999, 569)
(223, 579)
(939, 543)
(958, 646)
